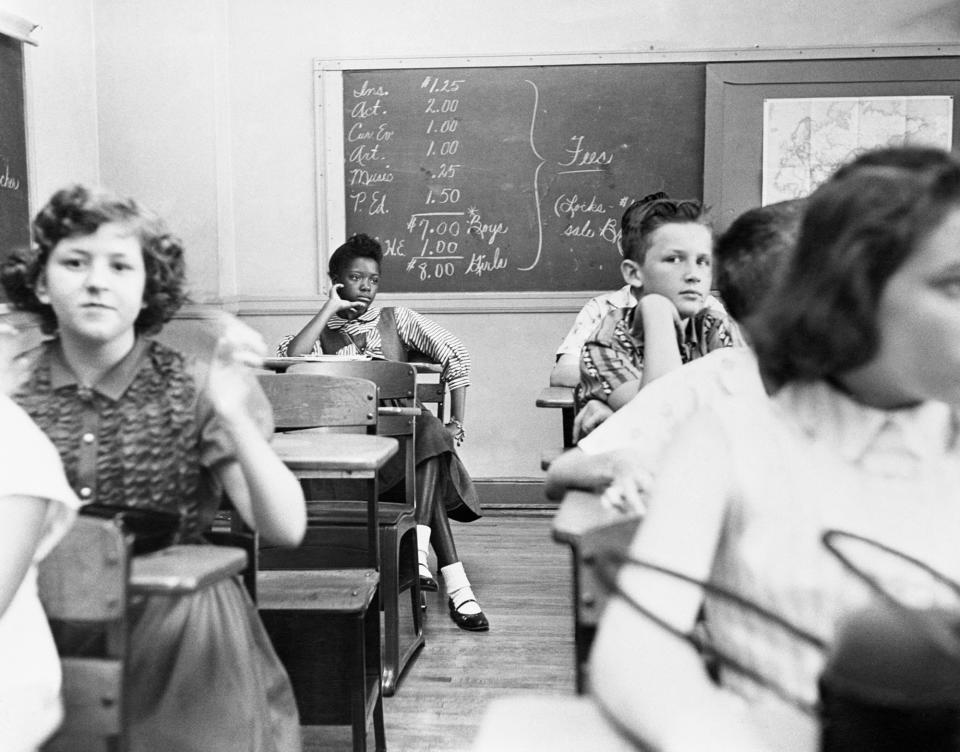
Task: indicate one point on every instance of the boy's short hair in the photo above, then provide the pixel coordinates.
(76, 211)
(859, 228)
(649, 213)
(356, 246)
(751, 251)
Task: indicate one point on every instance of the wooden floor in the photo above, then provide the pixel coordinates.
(522, 579)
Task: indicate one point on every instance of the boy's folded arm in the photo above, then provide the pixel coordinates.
(566, 371)
(659, 318)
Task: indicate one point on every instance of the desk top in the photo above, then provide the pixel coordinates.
(184, 569)
(323, 452)
(283, 363)
(555, 396)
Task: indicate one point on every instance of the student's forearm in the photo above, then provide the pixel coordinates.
(660, 352)
(265, 493)
(302, 344)
(566, 371)
(624, 393)
(458, 403)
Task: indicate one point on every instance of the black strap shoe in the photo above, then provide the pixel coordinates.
(471, 622)
(428, 584)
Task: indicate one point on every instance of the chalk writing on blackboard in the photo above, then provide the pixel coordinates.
(14, 205)
(506, 179)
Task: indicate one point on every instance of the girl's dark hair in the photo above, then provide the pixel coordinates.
(751, 252)
(357, 246)
(77, 211)
(859, 228)
(651, 212)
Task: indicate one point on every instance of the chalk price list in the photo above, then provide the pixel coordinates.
(368, 138)
(436, 229)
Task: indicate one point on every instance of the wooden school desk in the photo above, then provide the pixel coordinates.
(430, 390)
(585, 524)
(281, 364)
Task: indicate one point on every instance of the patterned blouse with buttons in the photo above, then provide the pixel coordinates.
(145, 436)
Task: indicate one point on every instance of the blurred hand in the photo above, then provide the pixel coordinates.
(630, 484)
(238, 349)
(590, 416)
(456, 432)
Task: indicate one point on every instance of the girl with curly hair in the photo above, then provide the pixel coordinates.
(139, 424)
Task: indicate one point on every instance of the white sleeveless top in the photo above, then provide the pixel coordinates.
(30, 708)
(817, 460)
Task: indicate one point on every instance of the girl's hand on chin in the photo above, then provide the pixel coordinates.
(238, 348)
(345, 308)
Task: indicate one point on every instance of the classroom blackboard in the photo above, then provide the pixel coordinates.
(14, 207)
(511, 179)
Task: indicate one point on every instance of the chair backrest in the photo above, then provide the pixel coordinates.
(394, 380)
(85, 579)
(433, 393)
(431, 390)
(312, 400)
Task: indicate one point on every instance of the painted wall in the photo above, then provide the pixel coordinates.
(204, 109)
(61, 94)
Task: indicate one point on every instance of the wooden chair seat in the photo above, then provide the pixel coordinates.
(327, 591)
(184, 569)
(325, 626)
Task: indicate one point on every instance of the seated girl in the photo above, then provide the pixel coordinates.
(38, 507)
(668, 258)
(348, 325)
(139, 424)
(860, 342)
(566, 369)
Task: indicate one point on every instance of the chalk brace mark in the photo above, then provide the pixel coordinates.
(536, 177)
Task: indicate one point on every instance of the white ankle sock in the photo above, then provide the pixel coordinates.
(458, 588)
(423, 550)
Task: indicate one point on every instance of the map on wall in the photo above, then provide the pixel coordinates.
(805, 140)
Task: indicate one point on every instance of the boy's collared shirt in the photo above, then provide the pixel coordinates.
(592, 313)
(614, 354)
